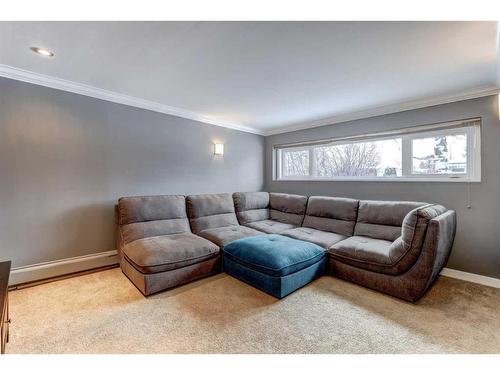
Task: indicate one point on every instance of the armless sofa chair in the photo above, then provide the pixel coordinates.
(398, 248)
(212, 216)
(156, 247)
(328, 220)
(271, 213)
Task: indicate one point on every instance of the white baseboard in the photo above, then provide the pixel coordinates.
(40, 271)
(472, 277)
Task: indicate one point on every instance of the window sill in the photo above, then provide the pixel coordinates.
(405, 179)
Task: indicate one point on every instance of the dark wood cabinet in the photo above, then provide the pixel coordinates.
(4, 304)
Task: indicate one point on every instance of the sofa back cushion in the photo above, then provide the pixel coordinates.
(287, 208)
(332, 214)
(251, 207)
(206, 211)
(149, 216)
(382, 219)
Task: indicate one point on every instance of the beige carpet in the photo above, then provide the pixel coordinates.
(104, 313)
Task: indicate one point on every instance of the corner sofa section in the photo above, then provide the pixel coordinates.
(212, 216)
(401, 260)
(271, 213)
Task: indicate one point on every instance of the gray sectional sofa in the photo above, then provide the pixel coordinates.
(398, 248)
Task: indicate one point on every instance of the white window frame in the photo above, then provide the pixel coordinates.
(471, 127)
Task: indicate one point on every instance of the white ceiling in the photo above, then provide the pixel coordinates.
(264, 77)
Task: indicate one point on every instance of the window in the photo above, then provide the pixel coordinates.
(441, 152)
(295, 163)
(374, 158)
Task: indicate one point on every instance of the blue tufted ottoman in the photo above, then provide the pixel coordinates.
(276, 264)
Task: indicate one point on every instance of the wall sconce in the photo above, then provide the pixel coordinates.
(219, 149)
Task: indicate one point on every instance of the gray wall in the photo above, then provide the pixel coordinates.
(65, 159)
(477, 244)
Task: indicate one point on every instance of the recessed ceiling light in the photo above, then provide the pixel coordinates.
(42, 51)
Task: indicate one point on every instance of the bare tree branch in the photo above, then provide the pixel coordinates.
(353, 159)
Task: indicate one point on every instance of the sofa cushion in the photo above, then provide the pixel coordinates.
(206, 211)
(382, 219)
(361, 251)
(224, 235)
(251, 207)
(273, 254)
(149, 208)
(319, 237)
(141, 217)
(287, 208)
(165, 253)
(270, 226)
(135, 231)
(331, 214)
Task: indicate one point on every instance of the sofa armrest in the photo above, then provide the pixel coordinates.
(439, 240)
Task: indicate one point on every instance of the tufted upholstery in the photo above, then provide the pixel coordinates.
(270, 226)
(273, 263)
(328, 220)
(270, 213)
(224, 235)
(319, 237)
(164, 253)
(412, 284)
(212, 216)
(390, 257)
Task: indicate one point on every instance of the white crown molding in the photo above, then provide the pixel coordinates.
(388, 109)
(94, 92)
(46, 270)
(472, 277)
